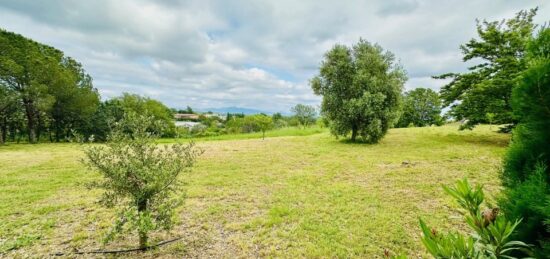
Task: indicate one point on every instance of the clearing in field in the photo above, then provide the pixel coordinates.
(294, 196)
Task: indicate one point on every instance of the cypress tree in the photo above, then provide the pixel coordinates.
(526, 172)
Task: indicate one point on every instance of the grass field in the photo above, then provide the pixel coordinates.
(294, 196)
(282, 132)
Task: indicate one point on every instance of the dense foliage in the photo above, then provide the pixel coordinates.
(305, 114)
(140, 178)
(487, 87)
(421, 107)
(361, 88)
(52, 90)
(8, 111)
(491, 236)
(250, 123)
(526, 173)
(133, 103)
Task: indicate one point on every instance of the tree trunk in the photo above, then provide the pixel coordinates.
(263, 135)
(5, 130)
(57, 132)
(2, 135)
(13, 131)
(142, 207)
(31, 122)
(353, 133)
(38, 127)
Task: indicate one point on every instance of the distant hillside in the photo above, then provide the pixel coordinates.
(234, 110)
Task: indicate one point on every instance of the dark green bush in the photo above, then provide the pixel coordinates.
(526, 171)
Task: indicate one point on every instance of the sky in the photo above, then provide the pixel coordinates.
(251, 54)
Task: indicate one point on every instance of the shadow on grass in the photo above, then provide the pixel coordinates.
(356, 142)
(484, 140)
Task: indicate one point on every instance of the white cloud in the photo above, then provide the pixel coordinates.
(256, 54)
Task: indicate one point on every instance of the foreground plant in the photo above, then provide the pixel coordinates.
(140, 178)
(491, 231)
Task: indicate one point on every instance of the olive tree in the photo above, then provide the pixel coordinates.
(361, 88)
(139, 177)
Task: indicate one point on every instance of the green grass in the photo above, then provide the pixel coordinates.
(282, 132)
(294, 196)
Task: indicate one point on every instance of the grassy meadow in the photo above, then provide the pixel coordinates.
(285, 196)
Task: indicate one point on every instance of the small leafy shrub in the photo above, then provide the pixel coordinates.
(140, 178)
(491, 231)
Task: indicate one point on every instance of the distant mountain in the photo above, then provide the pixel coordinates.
(246, 111)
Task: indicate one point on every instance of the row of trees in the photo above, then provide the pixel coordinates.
(250, 123)
(42, 89)
(45, 93)
(303, 116)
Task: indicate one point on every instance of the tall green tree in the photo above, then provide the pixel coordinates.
(526, 173)
(487, 86)
(361, 88)
(28, 68)
(304, 113)
(421, 107)
(76, 101)
(53, 89)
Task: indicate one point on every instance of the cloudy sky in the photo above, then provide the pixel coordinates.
(254, 54)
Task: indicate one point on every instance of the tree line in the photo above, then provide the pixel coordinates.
(42, 90)
(45, 94)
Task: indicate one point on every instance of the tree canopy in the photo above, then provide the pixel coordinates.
(421, 107)
(304, 113)
(126, 103)
(53, 90)
(8, 109)
(361, 88)
(487, 86)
